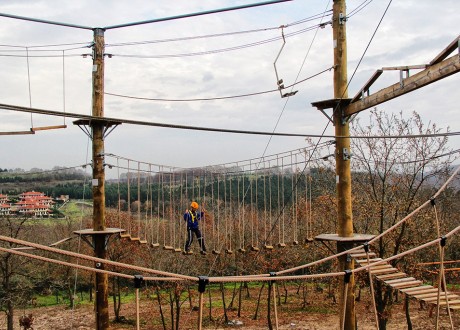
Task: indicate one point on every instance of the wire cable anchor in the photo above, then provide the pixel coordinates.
(279, 81)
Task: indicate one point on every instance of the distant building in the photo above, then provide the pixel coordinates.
(34, 203)
(5, 205)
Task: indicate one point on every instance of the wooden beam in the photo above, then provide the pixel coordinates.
(17, 133)
(45, 128)
(406, 67)
(367, 85)
(447, 51)
(423, 78)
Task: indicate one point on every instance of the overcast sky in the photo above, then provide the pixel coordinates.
(412, 32)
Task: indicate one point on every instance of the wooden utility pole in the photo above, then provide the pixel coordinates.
(99, 241)
(342, 158)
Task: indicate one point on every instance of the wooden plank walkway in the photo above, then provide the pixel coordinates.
(398, 280)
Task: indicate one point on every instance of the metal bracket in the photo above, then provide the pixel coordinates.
(342, 19)
(346, 154)
(328, 117)
(401, 77)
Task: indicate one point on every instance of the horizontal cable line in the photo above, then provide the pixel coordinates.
(393, 161)
(218, 97)
(224, 34)
(215, 51)
(32, 48)
(206, 129)
(216, 169)
(90, 258)
(42, 56)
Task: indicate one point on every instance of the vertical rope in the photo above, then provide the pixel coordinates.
(171, 219)
(129, 200)
(251, 205)
(150, 188)
(240, 233)
(256, 206)
(344, 305)
(119, 197)
(218, 212)
(137, 310)
(371, 284)
(282, 199)
(279, 201)
(442, 278)
(163, 204)
(30, 89)
(171, 202)
(158, 204)
(270, 200)
(138, 199)
(265, 207)
(230, 212)
(181, 242)
(200, 316)
(275, 304)
(225, 218)
(204, 203)
(63, 83)
(243, 207)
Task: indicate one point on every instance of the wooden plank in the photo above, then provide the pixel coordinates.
(362, 255)
(406, 284)
(384, 271)
(17, 133)
(416, 293)
(371, 260)
(381, 266)
(45, 128)
(406, 67)
(423, 78)
(421, 287)
(391, 276)
(442, 297)
(453, 302)
(367, 85)
(446, 51)
(426, 294)
(399, 280)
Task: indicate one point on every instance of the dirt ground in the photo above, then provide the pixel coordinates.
(321, 315)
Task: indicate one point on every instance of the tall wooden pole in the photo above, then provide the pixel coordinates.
(101, 302)
(342, 157)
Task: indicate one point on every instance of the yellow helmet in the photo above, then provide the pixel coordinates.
(194, 205)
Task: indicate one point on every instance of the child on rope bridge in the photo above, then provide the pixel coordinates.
(192, 217)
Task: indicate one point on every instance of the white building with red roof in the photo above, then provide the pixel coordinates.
(5, 205)
(35, 204)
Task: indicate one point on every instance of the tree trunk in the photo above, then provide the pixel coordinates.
(239, 299)
(10, 315)
(177, 300)
(210, 304)
(258, 302)
(269, 306)
(223, 302)
(406, 309)
(163, 321)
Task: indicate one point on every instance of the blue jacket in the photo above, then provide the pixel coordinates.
(192, 218)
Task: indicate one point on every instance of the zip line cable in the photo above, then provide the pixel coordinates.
(164, 19)
(206, 129)
(224, 34)
(220, 50)
(220, 97)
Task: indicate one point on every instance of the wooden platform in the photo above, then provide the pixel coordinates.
(398, 280)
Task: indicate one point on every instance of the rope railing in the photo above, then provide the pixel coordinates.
(95, 259)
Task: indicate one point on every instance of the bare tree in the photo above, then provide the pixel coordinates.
(392, 177)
